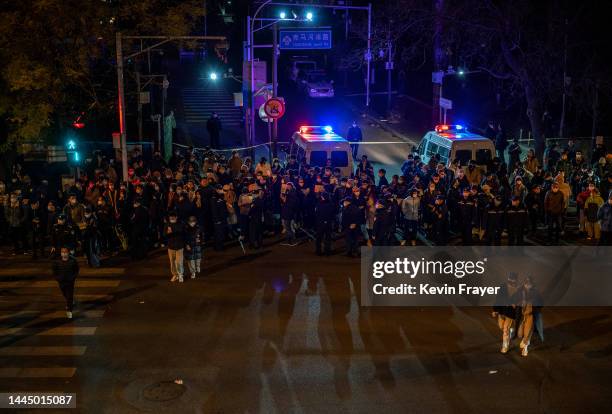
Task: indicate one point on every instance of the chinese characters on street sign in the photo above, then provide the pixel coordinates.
(306, 39)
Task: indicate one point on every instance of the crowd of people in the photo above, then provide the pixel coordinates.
(189, 201)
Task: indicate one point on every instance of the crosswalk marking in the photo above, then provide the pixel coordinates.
(53, 372)
(58, 331)
(38, 341)
(50, 315)
(43, 351)
(53, 283)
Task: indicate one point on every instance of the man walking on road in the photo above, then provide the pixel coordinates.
(354, 136)
(65, 270)
(176, 243)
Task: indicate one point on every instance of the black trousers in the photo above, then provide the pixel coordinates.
(606, 238)
(352, 239)
(67, 289)
(515, 238)
(554, 227)
(324, 237)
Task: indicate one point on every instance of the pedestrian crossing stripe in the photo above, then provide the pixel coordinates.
(57, 331)
(43, 351)
(38, 314)
(53, 297)
(53, 284)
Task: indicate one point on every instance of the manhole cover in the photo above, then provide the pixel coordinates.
(163, 391)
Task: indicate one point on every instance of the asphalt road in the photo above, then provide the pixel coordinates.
(280, 330)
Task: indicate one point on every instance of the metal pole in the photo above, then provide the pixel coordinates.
(139, 107)
(389, 63)
(252, 81)
(274, 86)
(121, 103)
(369, 55)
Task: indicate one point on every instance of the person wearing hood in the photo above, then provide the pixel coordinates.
(139, 229)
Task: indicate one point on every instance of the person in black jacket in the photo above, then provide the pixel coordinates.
(468, 213)
(324, 213)
(65, 271)
(219, 215)
(193, 246)
(175, 234)
(139, 230)
(494, 222)
(63, 234)
(350, 225)
(517, 219)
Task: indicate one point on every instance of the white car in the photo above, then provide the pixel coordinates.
(317, 85)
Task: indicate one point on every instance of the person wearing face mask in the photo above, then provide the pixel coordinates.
(38, 219)
(493, 221)
(605, 219)
(219, 216)
(193, 246)
(517, 221)
(91, 245)
(554, 206)
(65, 270)
(63, 234)
(175, 234)
(505, 309)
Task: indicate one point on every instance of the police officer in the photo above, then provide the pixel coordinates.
(324, 213)
(255, 217)
(517, 219)
(351, 216)
(440, 225)
(467, 214)
(381, 230)
(494, 221)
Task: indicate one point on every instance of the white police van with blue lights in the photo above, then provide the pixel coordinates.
(455, 142)
(321, 147)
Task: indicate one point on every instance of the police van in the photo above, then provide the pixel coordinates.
(321, 146)
(454, 142)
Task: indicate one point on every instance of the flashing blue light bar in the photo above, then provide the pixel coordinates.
(459, 127)
(327, 129)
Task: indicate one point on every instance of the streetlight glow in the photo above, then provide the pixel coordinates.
(213, 76)
(282, 15)
(309, 16)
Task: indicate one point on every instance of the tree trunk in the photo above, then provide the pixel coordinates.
(534, 113)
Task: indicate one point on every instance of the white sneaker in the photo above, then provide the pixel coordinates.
(403, 243)
(68, 314)
(193, 275)
(525, 352)
(174, 278)
(180, 279)
(504, 349)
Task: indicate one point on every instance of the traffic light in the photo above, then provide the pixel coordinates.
(72, 151)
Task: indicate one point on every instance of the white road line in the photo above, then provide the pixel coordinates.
(43, 351)
(51, 315)
(53, 372)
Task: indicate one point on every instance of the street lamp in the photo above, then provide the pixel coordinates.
(213, 76)
(309, 16)
(282, 15)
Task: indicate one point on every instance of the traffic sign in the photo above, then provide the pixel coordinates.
(274, 108)
(306, 39)
(446, 103)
